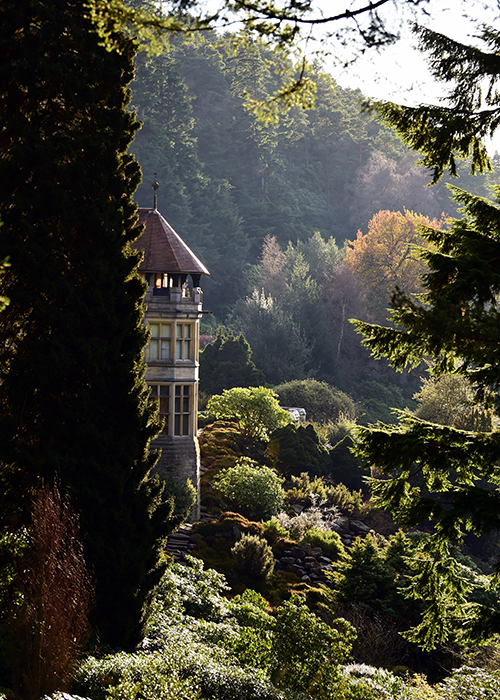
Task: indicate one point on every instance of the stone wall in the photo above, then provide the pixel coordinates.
(180, 456)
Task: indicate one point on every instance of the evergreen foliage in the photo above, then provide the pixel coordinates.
(296, 449)
(253, 557)
(73, 403)
(227, 363)
(457, 326)
(280, 347)
(367, 581)
(456, 130)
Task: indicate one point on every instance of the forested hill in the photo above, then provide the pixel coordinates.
(228, 180)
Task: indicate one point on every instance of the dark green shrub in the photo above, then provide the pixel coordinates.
(378, 399)
(293, 450)
(227, 363)
(345, 467)
(253, 557)
(322, 401)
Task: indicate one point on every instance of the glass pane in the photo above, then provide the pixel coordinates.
(153, 349)
(187, 345)
(178, 330)
(185, 424)
(164, 390)
(186, 390)
(178, 349)
(185, 405)
(154, 328)
(178, 390)
(153, 390)
(165, 330)
(177, 425)
(165, 349)
(187, 331)
(164, 404)
(177, 405)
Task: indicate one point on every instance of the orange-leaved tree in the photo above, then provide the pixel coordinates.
(388, 256)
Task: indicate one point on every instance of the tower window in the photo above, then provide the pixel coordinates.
(183, 341)
(182, 410)
(161, 394)
(159, 345)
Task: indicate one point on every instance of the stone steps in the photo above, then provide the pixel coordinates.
(178, 543)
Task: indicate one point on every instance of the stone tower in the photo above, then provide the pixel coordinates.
(173, 308)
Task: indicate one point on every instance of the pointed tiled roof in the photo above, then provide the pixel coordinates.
(163, 248)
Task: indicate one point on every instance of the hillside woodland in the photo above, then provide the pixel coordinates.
(304, 223)
(351, 556)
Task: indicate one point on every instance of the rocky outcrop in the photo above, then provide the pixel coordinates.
(307, 563)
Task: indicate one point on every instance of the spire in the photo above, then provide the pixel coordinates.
(154, 187)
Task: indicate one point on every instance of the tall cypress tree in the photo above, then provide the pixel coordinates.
(73, 403)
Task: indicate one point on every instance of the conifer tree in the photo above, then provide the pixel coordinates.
(227, 363)
(73, 402)
(439, 472)
(457, 470)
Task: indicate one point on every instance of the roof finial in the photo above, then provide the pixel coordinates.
(155, 186)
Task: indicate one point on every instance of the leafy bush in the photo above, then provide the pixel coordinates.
(322, 402)
(256, 410)
(253, 490)
(184, 495)
(207, 645)
(253, 557)
(329, 541)
(306, 651)
(471, 684)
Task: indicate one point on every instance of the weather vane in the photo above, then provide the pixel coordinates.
(155, 186)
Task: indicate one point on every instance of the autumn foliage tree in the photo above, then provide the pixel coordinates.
(388, 257)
